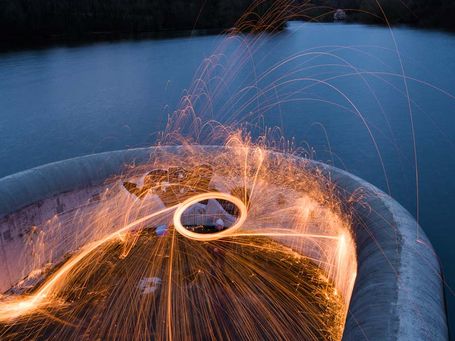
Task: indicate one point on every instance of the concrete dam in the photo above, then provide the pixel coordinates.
(367, 268)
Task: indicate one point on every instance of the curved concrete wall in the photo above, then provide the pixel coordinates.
(398, 293)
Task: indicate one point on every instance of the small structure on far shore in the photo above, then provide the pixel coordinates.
(339, 15)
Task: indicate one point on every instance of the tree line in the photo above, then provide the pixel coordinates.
(421, 13)
(23, 20)
(42, 19)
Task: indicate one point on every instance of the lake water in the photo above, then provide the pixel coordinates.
(63, 102)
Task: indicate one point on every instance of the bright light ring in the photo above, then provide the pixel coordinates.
(209, 236)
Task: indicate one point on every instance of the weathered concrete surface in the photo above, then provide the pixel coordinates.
(398, 293)
(24, 188)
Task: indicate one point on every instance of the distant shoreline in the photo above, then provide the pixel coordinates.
(412, 25)
(41, 23)
(50, 22)
(114, 37)
(100, 37)
(384, 25)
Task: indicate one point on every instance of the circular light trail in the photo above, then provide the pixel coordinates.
(206, 196)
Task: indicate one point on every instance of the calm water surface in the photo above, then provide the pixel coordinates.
(64, 102)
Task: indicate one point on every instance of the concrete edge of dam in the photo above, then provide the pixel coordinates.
(398, 293)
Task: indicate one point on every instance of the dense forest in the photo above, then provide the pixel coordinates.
(421, 13)
(51, 19)
(35, 20)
